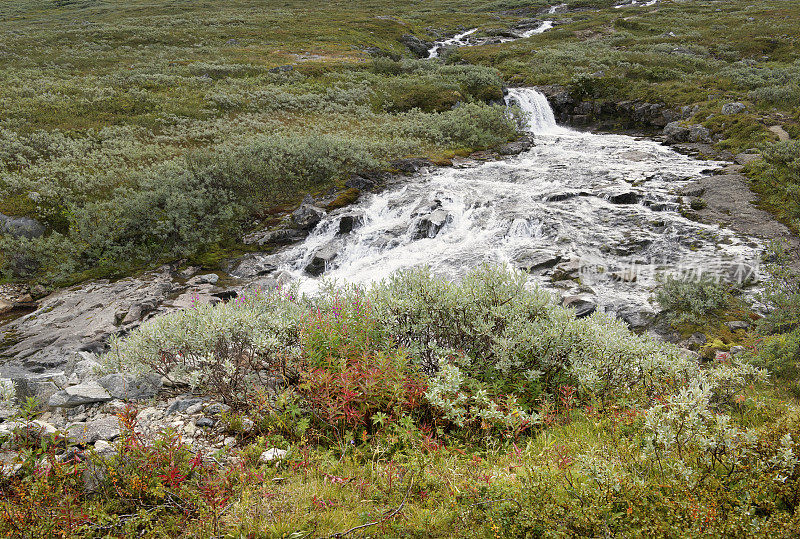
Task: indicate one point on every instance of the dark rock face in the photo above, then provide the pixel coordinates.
(532, 260)
(416, 45)
(307, 216)
(321, 260)
(430, 225)
(348, 223)
(517, 147)
(625, 198)
(411, 165)
(583, 307)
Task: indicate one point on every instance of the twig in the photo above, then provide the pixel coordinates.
(387, 517)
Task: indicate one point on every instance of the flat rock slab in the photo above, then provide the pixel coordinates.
(87, 433)
(88, 393)
(731, 203)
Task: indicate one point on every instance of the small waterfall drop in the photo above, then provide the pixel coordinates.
(540, 117)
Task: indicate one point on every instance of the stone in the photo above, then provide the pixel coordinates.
(40, 389)
(698, 133)
(130, 386)
(180, 405)
(102, 447)
(86, 393)
(277, 237)
(271, 455)
(696, 340)
(625, 198)
(740, 273)
(321, 260)
(516, 147)
(637, 318)
(307, 216)
(93, 476)
(745, 158)
(582, 306)
(229, 441)
(430, 225)
(531, 260)
(209, 278)
(675, 132)
(348, 223)
(736, 350)
(21, 227)
(736, 325)
(194, 408)
(411, 165)
(217, 408)
(733, 108)
(626, 276)
(205, 422)
(105, 429)
(567, 270)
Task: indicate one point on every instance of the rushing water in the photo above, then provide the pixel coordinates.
(601, 206)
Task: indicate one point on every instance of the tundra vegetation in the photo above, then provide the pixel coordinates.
(144, 131)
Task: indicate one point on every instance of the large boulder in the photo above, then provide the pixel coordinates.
(581, 305)
(733, 108)
(22, 227)
(321, 260)
(430, 225)
(87, 433)
(675, 132)
(516, 147)
(131, 387)
(307, 216)
(87, 393)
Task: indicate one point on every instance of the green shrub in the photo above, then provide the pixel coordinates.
(693, 300)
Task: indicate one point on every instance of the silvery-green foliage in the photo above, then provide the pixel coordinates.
(262, 328)
(6, 391)
(463, 401)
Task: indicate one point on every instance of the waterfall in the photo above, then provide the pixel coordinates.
(458, 40)
(533, 103)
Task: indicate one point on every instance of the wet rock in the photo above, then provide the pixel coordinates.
(531, 260)
(567, 270)
(87, 433)
(430, 225)
(517, 147)
(307, 216)
(625, 198)
(350, 222)
(733, 108)
(637, 318)
(254, 266)
(740, 273)
(675, 132)
(277, 237)
(86, 393)
(411, 165)
(130, 386)
(737, 325)
(321, 260)
(582, 306)
(416, 45)
(625, 276)
(21, 227)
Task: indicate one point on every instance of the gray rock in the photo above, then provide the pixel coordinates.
(321, 260)
(696, 340)
(21, 227)
(736, 350)
(516, 147)
(675, 132)
(182, 404)
(105, 429)
(102, 447)
(567, 270)
(86, 393)
(411, 165)
(217, 408)
(745, 158)
(205, 422)
(698, 133)
(307, 216)
(271, 455)
(430, 225)
(740, 273)
(93, 476)
(582, 306)
(40, 389)
(737, 325)
(350, 222)
(79, 318)
(277, 237)
(637, 318)
(209, 278)
(625, 198)
(131, 387)
(531, 260)
(733, 108)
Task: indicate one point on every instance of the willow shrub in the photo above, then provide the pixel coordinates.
(489, 328)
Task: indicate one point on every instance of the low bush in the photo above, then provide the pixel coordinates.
(694, 300)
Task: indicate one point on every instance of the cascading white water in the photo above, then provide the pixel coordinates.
(458, 40)
(539, 116)
(545, 26)
(598, 207)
